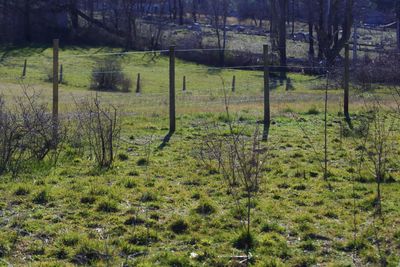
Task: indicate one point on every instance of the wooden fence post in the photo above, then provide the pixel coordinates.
(138, 84)
(61, 74)
(184, 84)
(55, 91)
(172, 114)
(347, 85)
(233, 83)
(24, 69)
(267, 111)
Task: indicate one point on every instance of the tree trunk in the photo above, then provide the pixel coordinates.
(3, 21)
(311, 51)
(170, 9)
(330, 43)
(181, 11)
(355, 43)
(282, 35)
(129, 38)
(27, 21)
(293, 16)
(321, 28)
(194, 10)
(74, 14)
(398, 23)
(91, 9)
(174, 10)
(222, 52)
(398, 33)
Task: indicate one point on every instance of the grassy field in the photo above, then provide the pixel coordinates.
(147, 209)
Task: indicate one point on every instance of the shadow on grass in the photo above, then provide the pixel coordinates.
(166, 140)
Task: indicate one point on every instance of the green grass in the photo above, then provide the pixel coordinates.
(171, 210)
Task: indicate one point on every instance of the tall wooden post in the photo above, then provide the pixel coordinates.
(233, 83)
(61, 74)
(55, 91)
(184, 84)
(24, 69)
(267, 111)
(172, 114)
(138, 85)
(346, 84)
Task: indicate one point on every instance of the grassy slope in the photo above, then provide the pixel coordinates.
(297, 220)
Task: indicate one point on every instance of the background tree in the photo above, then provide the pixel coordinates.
(397, 11)
(255, 10)
(278, 31)
(219, 11)
(311, 18)
(181, 11)
(333, 28)
(390, 7)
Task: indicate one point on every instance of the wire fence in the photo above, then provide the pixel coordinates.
(148, 73)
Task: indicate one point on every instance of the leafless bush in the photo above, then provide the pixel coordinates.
(240, 158)
(26, 132)
(375, 146)
(101, 127)
(379, 146)
(76, 137)
(108, 76)
(395, 90)
(10, 137)
(37, 125)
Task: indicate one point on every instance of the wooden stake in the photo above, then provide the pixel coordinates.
(138, 84)
(24, 69)
(61, 74)
(55, 91)
(184, 84)
(172, 114)
(233, 83)
(267, 111)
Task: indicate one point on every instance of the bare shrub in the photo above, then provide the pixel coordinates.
(26, 132)
(240, 157)
(379, 146)
(101, 128)
(76, 137)
(395, 90)
(108, 76)
(376, 144)
(10, 137)
(37, 125)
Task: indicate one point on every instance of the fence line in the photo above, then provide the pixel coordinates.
(4, 57)
(266, 67)
(241, 84)
(115, 54)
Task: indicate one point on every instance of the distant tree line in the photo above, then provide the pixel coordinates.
(329, 22)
